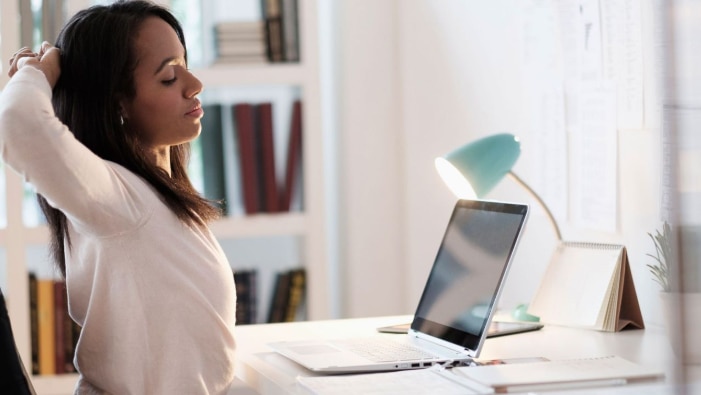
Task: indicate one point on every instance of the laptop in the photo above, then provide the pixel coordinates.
(456, 307)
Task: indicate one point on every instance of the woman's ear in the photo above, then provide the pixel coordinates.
(123, 113)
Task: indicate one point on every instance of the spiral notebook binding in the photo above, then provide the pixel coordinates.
(586, 244)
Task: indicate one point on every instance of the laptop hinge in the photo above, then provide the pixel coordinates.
(453, 348)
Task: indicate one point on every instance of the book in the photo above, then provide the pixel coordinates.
(290, 30)
(244, 124)
(239, 59)
(605, 371)
(298, 278)
(272, 14)
(588, 285)
(280, 297)
(60, 318)
(34, 322)
(271, 192)
(46, 324)
(239, 48)
(250, 28)
(240, 42)
(65, 338)
(211, 143)
(246, 296)
(287, 300)
(252, 295)
(294, 157)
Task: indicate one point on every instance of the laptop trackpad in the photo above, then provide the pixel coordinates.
(313, 349)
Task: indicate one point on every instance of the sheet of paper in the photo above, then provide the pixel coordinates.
(544, 101)
(422, 381)
(621, 23)
(574, 288)
(587, 98)
(550, 164)
(590, 40)
(580, 35)
(595, 160)
(560, 371)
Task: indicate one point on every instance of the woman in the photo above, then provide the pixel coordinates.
(146, 279)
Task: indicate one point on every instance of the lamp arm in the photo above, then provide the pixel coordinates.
(540, 201)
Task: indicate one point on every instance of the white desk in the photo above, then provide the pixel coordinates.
(270, 373)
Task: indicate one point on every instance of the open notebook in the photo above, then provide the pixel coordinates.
(455, 310)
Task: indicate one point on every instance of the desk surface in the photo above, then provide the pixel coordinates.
(270, 373)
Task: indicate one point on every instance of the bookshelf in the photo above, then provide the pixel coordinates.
(306, 226)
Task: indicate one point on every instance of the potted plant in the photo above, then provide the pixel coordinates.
(679, 308)
(663, 256)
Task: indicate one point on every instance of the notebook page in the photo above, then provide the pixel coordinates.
(575, 287)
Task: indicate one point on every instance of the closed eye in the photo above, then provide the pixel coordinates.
(170, 81)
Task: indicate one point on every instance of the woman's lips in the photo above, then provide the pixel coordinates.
(195, 112)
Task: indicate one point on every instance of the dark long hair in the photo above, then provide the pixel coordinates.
(97, 68)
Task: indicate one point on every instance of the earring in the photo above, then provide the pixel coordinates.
(121, 120)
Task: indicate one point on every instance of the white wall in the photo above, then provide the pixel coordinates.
(462, 79)
(418, 79)
(370, 152)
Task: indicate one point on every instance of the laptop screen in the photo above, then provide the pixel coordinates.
(469, 270)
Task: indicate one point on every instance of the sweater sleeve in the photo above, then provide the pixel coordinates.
(35, 144)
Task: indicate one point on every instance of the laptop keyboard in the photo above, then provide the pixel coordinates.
(383, 350)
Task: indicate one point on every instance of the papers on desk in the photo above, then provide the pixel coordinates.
(560, 374)
(435, 380)
(523, 377)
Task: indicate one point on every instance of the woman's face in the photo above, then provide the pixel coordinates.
(165, 110)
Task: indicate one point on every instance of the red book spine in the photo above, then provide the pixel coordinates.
(294, 156)
(265, 121)
(245, 131)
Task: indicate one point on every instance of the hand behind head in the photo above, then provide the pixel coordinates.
(47, 60)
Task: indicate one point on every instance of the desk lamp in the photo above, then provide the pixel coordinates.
(472, 170)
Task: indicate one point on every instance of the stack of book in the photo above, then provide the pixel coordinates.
(281, 26)
(240, 42)
(256, 185)
(287, 303)
(263, 192)
(209, 146)
(246, 296)
(53, 333)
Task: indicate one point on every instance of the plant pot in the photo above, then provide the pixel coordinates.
(682, 331)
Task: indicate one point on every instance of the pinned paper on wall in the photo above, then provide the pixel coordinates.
(596, 71)
(578, 97)
(621, 23)
(594, 160)
(543, 98)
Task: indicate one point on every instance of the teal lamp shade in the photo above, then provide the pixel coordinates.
(472, 170)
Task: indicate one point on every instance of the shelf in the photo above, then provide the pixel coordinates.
(302, 234)
(37, 235)
(55, 385)
(260, 74)
(260, 225)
